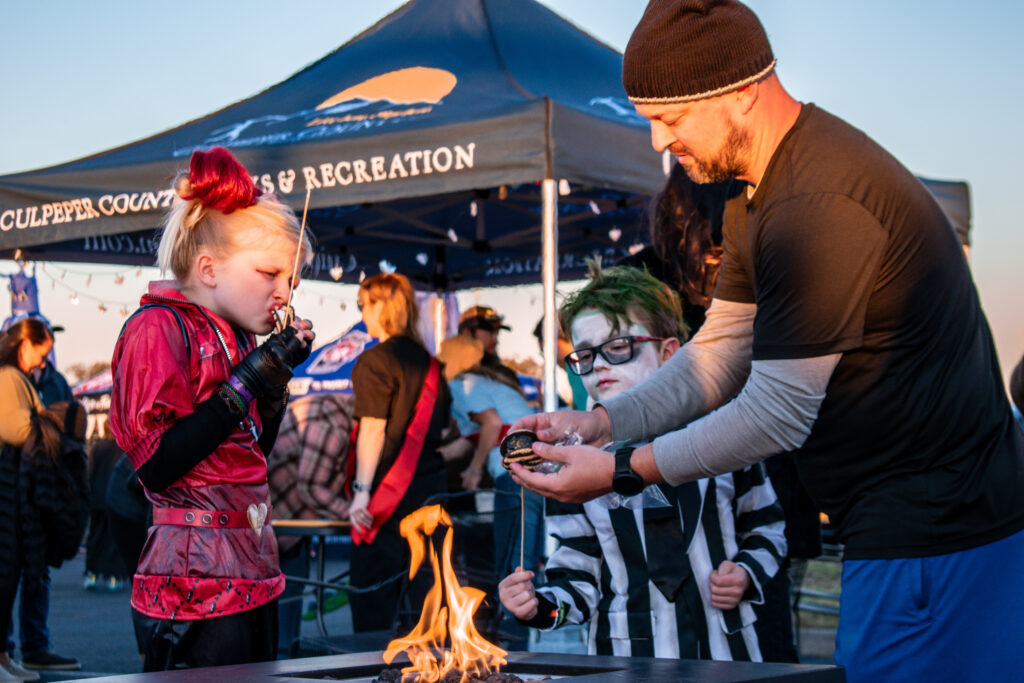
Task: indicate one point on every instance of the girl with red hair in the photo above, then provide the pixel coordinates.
(196, 405)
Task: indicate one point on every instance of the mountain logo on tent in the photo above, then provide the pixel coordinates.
(384, 99)
(395, 94)
(404, 86)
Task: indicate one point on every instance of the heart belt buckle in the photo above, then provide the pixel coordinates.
(257, 515)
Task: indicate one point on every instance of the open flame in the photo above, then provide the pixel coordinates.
(447, 612)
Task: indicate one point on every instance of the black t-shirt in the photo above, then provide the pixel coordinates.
(843, 250)
(387, 380)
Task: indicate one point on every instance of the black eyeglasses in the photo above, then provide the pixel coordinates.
(616, 351)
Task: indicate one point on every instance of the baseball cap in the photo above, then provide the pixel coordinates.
(482, 317)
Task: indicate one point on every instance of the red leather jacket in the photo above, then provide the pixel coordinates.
(192, 572)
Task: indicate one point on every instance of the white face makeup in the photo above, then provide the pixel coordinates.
(591, 328)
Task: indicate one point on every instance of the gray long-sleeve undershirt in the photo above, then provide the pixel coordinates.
(772, 412)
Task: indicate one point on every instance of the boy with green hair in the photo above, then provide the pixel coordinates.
(671, 571)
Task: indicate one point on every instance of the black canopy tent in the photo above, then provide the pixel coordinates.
(431, 130)
(452, 139)
(433, 141)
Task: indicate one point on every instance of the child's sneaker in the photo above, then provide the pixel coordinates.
(90, 582)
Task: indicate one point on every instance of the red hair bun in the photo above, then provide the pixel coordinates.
(219, 182)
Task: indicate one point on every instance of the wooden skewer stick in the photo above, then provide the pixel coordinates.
(289, 313)
(522, 526)
(298, 250)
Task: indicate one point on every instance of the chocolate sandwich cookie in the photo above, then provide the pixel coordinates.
(517, 447)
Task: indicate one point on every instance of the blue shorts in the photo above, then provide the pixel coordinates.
(956, 617)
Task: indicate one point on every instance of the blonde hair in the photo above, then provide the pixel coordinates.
(399, 314)
(214, 201)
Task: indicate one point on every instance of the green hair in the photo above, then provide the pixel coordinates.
(627, 294)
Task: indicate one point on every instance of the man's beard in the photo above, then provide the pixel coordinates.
(728, 163)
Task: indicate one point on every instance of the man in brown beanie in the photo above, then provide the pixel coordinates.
(845, 328)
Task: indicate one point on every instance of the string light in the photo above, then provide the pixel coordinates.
(422, 258)
(73, 299)
(615, 234)
(452, 235)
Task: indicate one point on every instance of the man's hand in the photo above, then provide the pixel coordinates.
(586, 473)
(518, 595)
(728, 584)
(593, 425)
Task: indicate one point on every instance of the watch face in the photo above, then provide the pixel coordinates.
(628, 484)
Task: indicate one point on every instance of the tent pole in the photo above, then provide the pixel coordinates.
(549, 272)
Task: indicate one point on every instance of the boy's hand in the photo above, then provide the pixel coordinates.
(518, 595)
(728, 584)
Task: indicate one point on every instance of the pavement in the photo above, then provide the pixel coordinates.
(95, 627)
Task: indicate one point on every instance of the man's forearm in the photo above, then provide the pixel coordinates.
(702, 375)
(774, 413)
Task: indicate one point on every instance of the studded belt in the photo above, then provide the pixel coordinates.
(223, 519)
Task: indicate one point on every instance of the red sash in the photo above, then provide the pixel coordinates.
(474, 438)
(396, 482)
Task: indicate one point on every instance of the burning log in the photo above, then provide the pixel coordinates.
(396, 676)
(445, 641)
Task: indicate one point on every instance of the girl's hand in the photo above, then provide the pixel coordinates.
(358, 515)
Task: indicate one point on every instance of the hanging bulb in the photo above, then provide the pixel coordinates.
(563, 187)
(138, 272)
(473, 208)
(73, 299)
(343, 306)
(503, 192)
(88, 281)
(103, 309)
(336, 272)
(362, 275)
(124, 311)
(62, 274)
(118, 279)
(321, 302)
(422, 258)
(594, 208)
(635, 248)
(615, 234)
(452, 235)
(386, 266)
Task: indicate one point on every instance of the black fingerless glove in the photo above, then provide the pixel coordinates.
(297, 353)
(266, 370)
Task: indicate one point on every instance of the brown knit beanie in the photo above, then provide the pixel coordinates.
(685, 50)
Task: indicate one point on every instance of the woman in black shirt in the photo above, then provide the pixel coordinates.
(402, 403)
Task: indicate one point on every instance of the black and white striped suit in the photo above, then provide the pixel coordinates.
(600, 572)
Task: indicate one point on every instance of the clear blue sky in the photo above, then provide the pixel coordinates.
(937, 83)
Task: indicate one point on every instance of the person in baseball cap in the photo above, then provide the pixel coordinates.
(483, 324)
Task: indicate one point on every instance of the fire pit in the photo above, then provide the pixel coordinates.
(365, 666)
(445, 646)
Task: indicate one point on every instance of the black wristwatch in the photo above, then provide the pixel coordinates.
(626, 482)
